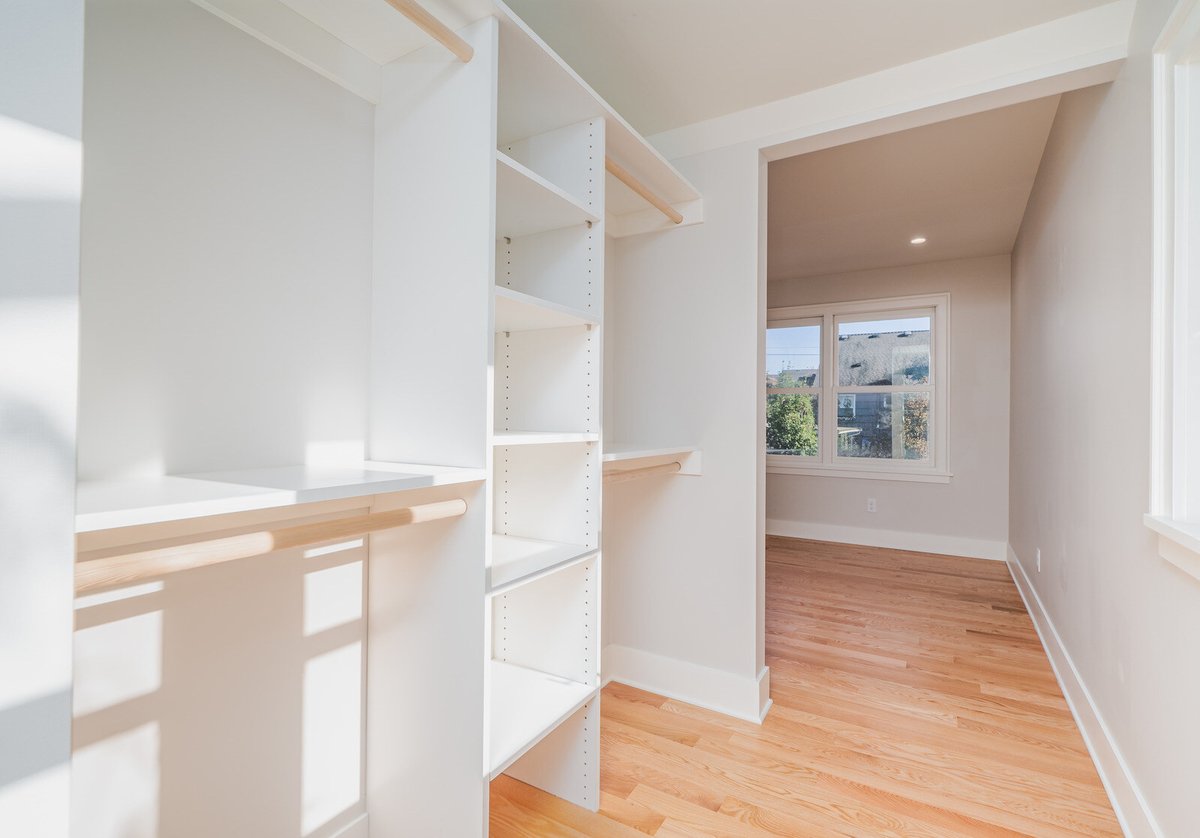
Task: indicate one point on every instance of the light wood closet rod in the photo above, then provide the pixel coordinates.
(637, 473)
(622, 174)
(129, 568)
(437, 30)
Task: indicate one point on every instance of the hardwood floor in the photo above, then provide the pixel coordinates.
(912, 697)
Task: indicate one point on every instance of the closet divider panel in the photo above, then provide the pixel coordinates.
(434, 215)
(430, 402)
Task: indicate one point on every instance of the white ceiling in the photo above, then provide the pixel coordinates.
(667, 63)
(963, 184)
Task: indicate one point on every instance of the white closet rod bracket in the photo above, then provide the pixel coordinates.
(129, 568)
(638, 473)
(437, 30)
(622, 174)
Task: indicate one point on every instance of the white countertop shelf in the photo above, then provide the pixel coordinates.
(526, 705)
(517, 560)
(527, 203)
(109, 504)
(541, 437)
(520, 312)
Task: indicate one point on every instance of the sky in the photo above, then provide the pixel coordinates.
(798, 347)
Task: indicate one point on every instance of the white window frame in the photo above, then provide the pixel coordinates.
(1175, 454)
(935, 469)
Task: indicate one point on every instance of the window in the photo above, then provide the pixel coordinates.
(1175, 457)
(855, 389)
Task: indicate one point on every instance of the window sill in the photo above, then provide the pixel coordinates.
(1178, 542)
(909, 476)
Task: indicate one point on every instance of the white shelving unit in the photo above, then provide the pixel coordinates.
(407, 269)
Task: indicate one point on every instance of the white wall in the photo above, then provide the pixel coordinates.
(226, 248)
(968, 515)
(41, 68)
(683, 554)
(1128, 620)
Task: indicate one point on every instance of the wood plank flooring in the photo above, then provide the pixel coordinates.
(912, 697)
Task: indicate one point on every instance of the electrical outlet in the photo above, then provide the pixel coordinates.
(871, 504)
(1039, 559)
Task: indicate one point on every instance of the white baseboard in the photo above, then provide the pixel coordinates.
(1132, 811)
(712, 689)
(357, 828)
(946, 545)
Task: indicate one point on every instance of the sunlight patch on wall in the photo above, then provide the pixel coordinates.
(120, 798)
(332, 744)
(38, 165)
(117, 661)
(333, 597)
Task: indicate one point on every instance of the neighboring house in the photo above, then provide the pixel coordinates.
(868, 422)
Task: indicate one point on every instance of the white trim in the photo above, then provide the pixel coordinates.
(816, 469)
(1175, 467)
(1178, 542)
(917, 542)
(1126, 797)
(1064, 54)
(357, 828)
(713, 689)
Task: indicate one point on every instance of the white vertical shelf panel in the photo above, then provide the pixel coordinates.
(554, 266)
(550, 625)
(544, 380)
(434, 222)
(431, 399)
(563, 157)
(548, 492)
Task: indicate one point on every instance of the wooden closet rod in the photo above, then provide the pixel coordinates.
(622, 174)
(439, 31)
(637, 473)
(145, 564)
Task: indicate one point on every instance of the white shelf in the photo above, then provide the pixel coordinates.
(541, 437)
(520, 312)
(526, 705)
(103, 505)
(527, 203)
(517, 560)
(618, 457)
(539, 92)
(624, 453)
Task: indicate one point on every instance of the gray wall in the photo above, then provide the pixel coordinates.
(1081, 433)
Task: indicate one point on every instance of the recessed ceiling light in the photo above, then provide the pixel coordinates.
(918, 240)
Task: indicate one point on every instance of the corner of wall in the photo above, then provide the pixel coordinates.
(713, 689)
